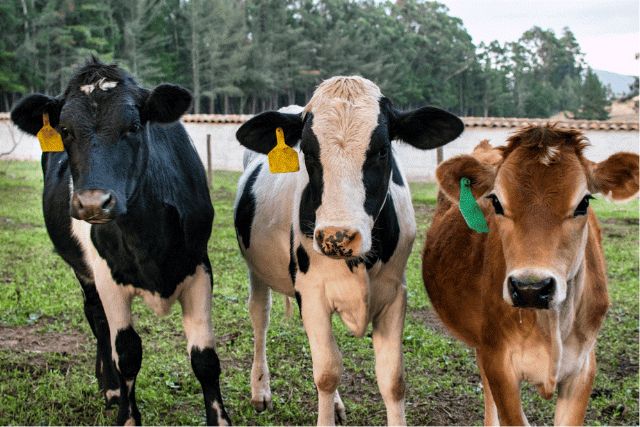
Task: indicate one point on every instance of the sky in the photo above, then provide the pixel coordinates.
(608, 31)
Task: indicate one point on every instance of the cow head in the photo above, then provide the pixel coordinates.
(102, 118)
(537, 196)
(345, 135)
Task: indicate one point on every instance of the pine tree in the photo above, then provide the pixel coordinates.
(594, 99)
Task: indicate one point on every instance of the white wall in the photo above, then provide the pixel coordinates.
(418, 165)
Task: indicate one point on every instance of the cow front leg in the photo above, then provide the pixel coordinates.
(574, 393)
(196, 318)
(126, 346)
(106, 374)
(325, 355)
(388, 326)
(504, 386)
(341, 411)
(490, 410)
(260, 308)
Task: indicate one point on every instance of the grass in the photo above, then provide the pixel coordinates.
(47, 350)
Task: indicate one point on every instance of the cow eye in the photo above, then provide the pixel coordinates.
(134, 128)
(64, 132)
(496, 204)
(582, 207)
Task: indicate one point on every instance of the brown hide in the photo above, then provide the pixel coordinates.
(541, 175)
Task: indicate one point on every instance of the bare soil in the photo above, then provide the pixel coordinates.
(32, 339)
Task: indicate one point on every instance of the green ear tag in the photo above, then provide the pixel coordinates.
(469, 208)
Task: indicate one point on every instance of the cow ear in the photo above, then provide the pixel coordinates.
(450, 173)
(259, 133)
(27, 114)
(615, 177)
(166, 103)
(424, 128)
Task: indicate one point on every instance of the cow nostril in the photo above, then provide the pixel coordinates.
(77, 202)
(108, 202)
(547, 287)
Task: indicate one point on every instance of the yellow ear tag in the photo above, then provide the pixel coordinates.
(282, 158)
(50, 139)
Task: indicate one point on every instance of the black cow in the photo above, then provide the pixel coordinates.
(127, 207)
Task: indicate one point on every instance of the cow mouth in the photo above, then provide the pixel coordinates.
(342, 257)
(96, 221)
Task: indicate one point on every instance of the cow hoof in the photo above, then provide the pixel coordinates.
(341, 413)
(261, 405)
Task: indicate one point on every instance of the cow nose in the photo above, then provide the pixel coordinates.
(94, 206)
(339, 242)
(531, 293)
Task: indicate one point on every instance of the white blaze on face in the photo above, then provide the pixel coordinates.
(345, 114)
(103, 84)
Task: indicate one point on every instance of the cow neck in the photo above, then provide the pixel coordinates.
(558, 325)
(565, 316)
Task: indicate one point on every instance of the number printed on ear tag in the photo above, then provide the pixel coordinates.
(282, 158)
(50, 139)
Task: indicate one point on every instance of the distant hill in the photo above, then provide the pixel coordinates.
(619, 83)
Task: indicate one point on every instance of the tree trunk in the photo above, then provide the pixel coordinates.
(291, 96)
(195, 58)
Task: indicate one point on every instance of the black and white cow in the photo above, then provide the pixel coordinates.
(127, 207)
(336, 234)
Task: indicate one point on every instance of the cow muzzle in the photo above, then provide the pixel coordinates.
(93, 206)
(529, 291)
(337, 242)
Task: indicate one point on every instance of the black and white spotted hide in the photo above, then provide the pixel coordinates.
(337, 234)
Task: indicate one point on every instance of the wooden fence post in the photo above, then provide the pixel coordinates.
(209, 165)
(439, 155)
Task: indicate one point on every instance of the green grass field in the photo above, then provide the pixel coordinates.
(47, 350)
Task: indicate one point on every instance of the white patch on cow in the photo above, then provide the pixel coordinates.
(111, 393)
(549, 155)
(195, 298)
(103, 84)
(345, 114)
(216, 407)
(130, 421)
(87, 89)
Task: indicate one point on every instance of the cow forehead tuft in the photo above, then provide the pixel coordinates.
(345, 110)
(352, 89)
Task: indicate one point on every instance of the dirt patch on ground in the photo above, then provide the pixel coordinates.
(424, 210)
(620, 221)
(430, 319)
(8, 223)
(619, 227)
(31, 339)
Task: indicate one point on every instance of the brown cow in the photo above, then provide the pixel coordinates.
(531, 295)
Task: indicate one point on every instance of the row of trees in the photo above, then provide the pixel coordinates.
(251, 55)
